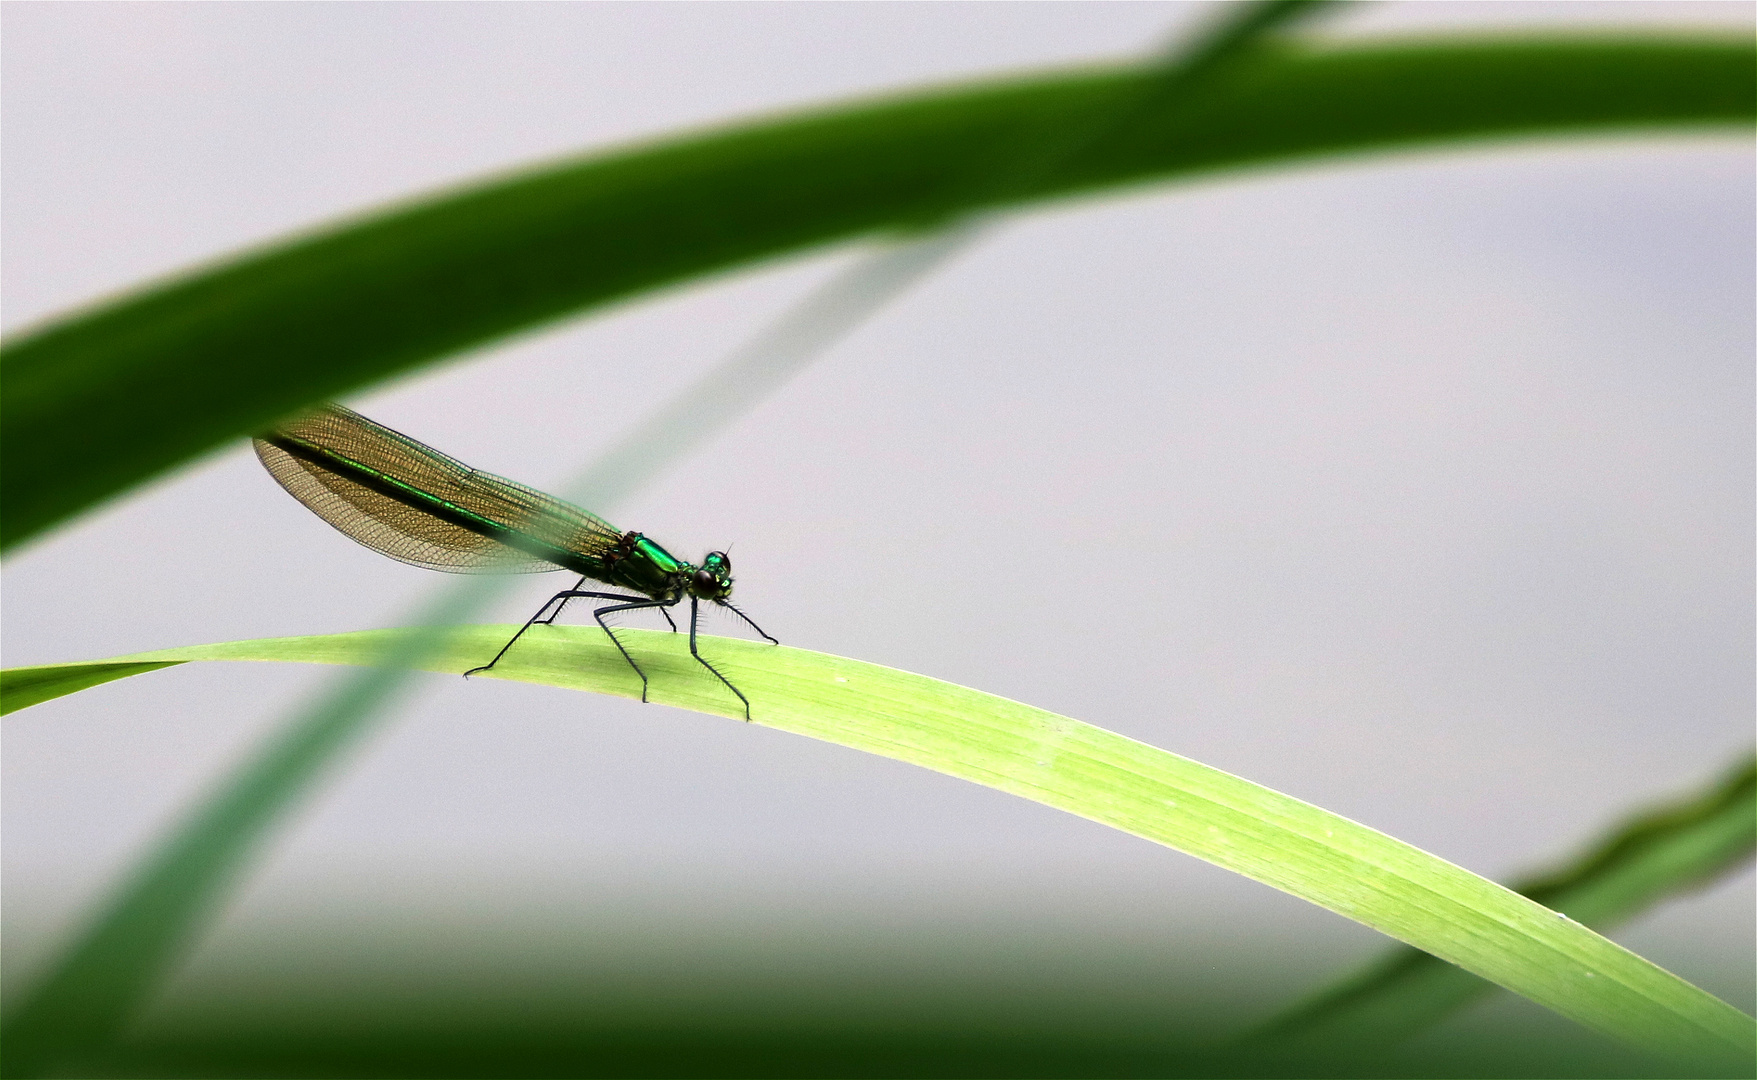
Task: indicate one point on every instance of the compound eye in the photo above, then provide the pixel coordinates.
(705, 582)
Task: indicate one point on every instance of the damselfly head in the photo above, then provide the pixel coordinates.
(712, 580)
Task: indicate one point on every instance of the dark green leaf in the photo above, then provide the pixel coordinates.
(1643, 861)
(110, 397)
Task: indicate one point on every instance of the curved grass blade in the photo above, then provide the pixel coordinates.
(107, 398)
(1280, 841)
(116, 960)
(1655, 855)
(111, 966)
(26, 686)
(76, 1009)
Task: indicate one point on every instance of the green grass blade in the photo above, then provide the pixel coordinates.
(1657, 853)
(1280, 841)
(108, 398)
(76, 1009)
(1645, 860)
(26, 686)
(111, 967)
(1641, 863)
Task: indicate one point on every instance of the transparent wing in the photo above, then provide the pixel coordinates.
(406, 528)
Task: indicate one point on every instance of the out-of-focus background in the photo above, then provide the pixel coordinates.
(1417, 487)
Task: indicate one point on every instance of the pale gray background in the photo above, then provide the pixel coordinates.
(1419, 488)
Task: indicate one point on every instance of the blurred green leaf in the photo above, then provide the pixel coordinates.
(1655, 855)
(840, 1025)
(110, 968)
(1280, 841)
(107, 398)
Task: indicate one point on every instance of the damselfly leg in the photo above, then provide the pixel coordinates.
(571, 593)
(695, 617)
(564, 597)
(749, 622)
(634, 603)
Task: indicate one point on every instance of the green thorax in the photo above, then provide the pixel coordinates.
(639, 564)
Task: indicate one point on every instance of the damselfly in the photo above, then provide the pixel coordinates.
(407, 500)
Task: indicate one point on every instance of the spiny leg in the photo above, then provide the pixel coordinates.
(575, 592)
(694, 616)
(612, 609)
(569, 595)
(748, 620)
(564, 597)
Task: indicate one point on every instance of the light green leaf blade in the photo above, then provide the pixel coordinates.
(1280, 841)
(1645, 860)
(109, 397)
(23, 687)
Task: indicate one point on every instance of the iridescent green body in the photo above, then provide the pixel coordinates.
(406, 500)
(647, 568)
